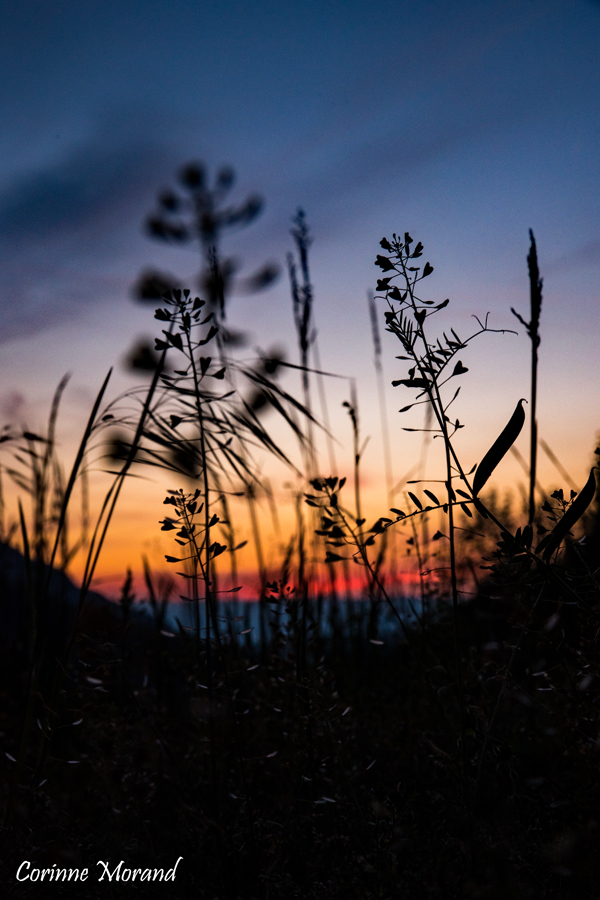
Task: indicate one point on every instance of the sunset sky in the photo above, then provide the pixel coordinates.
(466, 123)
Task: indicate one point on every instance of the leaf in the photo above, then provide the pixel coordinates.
(332, 557)
(552, 541)
(415, 500)
(499, 448)
(216, 549)
(167, 525)
(384, 263)
(520, 318)
(29, 436)
(212, 331)
(412, 382)
(174, 339)
(432, 497)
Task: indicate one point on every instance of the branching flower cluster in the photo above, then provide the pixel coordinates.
(434, 362)
(191, 532)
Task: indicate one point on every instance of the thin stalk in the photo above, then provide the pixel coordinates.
(433, 391)
(262, 570)
(302, 301)
(206, 568)
(420, 561)
(74, 471)
(110, 501)
(303, 588)
(557, 464)
(385, 439)
(536, 305)
(377, 582)
(533, 330)
(385, 432)
(98, 538)
(324, 408)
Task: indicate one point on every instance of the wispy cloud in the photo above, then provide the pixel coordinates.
(587, 254)
(63, 229)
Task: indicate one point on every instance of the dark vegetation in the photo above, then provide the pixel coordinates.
(426, 746)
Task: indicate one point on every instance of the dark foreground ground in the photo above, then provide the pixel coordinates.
(320, 769)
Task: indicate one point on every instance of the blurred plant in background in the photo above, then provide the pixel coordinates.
(195, 213)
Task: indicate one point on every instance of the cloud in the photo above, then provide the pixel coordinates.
(60, 229)
(587, 254)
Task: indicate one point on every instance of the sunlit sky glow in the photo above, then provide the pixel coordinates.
(466, 123)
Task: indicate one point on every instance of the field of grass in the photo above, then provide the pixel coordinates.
(352, 734)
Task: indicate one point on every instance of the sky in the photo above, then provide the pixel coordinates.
(463, 122)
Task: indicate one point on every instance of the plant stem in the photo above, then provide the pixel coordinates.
(535, 283)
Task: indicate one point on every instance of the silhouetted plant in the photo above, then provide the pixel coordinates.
(434, 364)
(345, 741)
(533, 330)
(195, 212)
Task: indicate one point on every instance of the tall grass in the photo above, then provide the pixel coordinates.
(376, 748)
(533, 330)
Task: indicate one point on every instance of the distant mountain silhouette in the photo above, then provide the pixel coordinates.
(55, 607)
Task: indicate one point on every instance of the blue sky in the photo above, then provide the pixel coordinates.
(465, 122)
